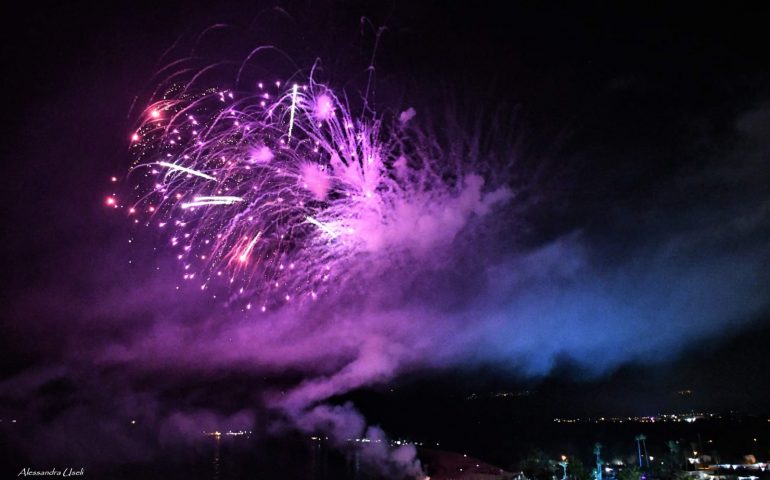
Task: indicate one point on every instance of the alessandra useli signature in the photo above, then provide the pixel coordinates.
(53, 472)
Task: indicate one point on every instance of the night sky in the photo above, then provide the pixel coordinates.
(632, 263)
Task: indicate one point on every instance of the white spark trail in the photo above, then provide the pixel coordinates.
(245, 255)
(203, 201)
(293, 107)
(174, 166)
(326, 228)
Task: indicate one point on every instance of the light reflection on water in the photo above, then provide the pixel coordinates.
(245, 459)
(217, 452)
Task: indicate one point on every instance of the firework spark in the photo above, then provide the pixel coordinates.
(180, 168)
(211, 200)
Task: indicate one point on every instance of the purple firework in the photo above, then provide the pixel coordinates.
(284, 194)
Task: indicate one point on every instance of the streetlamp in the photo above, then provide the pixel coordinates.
(640, 440)
(564, 464)
(599, 461)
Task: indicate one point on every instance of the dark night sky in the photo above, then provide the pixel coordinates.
(648, 130)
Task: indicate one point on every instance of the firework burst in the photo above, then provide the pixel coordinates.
(283, 194)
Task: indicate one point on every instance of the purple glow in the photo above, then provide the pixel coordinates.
(324, 107)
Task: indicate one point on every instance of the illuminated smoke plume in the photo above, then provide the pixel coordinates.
(291, 203)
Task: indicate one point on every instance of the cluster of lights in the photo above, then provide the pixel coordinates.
(392, 443)
(523, 393)
(229, 433)
(660, 418)
(760, 466)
